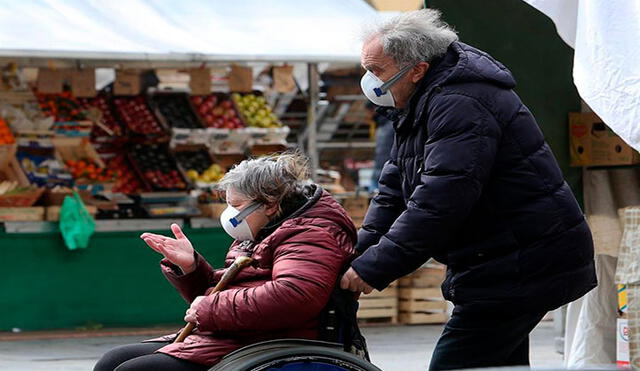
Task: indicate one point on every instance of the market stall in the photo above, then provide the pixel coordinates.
(141, 121)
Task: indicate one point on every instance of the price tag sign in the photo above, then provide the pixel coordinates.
(200, 81)
(127, 82)
(283, 81)
(49, 81)
(241, 79)
(83, 83)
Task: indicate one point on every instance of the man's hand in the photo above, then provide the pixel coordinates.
(351, 281)
(190, 316)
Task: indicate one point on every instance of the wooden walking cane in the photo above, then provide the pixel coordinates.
(228, 276)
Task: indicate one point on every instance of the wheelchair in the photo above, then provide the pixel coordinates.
(341, 346)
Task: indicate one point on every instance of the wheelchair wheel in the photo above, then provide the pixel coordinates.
(294, 355)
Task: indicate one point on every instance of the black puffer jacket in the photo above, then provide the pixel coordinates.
(472, 183)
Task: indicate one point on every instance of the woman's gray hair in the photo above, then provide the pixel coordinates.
(413, 37)
(270, 179)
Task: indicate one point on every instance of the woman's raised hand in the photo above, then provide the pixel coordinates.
(177, 250)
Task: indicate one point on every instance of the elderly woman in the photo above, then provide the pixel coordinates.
(300, 239)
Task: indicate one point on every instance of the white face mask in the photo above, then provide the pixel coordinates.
(234, 221)
(377, 91)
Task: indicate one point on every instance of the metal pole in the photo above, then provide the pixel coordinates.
(312, 109)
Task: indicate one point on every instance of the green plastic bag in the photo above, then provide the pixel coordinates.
(76, 224)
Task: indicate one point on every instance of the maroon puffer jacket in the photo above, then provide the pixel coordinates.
(280, 295)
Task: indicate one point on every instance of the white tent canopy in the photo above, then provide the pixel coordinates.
(606, 64)
(184, 30)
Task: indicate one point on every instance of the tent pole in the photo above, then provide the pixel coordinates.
(312, 109)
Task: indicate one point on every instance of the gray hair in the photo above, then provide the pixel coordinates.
(413, 37)
(270, 179)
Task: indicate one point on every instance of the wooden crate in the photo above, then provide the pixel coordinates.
(22, 214)
(379, 306)
(431, 275)
(418, 305)
(356, 207)
(53, 212)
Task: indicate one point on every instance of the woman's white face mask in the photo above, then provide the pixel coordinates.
(378, 91)
(234, 221)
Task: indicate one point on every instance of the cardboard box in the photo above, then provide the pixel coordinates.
(592, 143)
(622, 343)
(22, 214)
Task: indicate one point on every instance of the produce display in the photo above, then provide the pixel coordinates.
(199, 167)
(135, 114)
(6, 137)
(127, 181)
(62, 107)
(255, 111)
(217, 111)
(157, 167)
(89, 171)
(176, 110)
(108, 119)
(109, 146)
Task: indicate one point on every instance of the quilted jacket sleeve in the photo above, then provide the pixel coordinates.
(193, 284)
(305, 268)
(459, 155)
(385, 207)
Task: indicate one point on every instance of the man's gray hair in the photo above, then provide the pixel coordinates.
(270, 179)
(413, 37)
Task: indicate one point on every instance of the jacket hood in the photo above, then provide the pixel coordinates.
(463, 63)
(318, 204)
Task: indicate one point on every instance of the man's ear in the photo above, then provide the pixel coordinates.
(418, 71)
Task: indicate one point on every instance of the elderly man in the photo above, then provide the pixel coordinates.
(472, 183)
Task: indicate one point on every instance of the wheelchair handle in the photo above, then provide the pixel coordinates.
(227, 277)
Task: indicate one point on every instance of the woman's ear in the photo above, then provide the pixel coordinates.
(271, 210)
(419, 70)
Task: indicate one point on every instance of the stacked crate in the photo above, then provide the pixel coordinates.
(420, 298)
(379, 306)
(356, 208)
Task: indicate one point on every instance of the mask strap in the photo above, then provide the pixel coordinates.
(395, 78)
(244, 213)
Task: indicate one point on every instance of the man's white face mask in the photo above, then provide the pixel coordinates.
(377, 91)
(234, 221)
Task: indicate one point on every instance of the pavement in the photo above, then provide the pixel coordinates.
(392, 348)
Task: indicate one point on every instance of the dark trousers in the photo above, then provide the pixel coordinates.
(141, 357)
(474, 339)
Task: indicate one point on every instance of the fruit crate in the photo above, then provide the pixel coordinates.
(135, 113)
(22, 214)
(101, 110)
(428, 276)
(174, 110)
(421, 300)
(127, 180)
(254, 110)
(24, 198)
(197, 164)
(225, 141)
(379, 306)
(217, 111)
(156, 167)
(268, 136)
